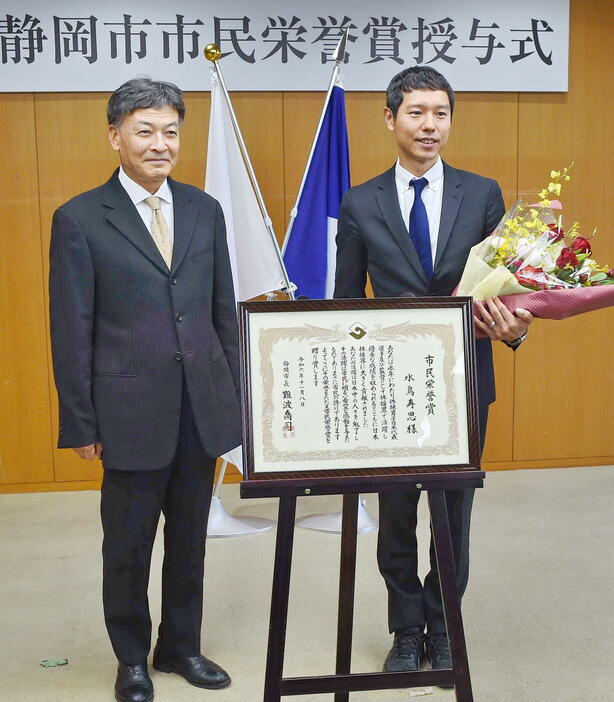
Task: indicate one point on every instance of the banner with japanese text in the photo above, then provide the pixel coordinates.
(79, 45)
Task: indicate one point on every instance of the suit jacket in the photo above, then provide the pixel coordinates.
(372, 238)
(126, 331)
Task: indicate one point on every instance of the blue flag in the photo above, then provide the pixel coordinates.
(310, 250)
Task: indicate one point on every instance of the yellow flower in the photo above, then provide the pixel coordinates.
(555, 174)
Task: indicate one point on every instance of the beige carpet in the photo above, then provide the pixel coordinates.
(539, 612)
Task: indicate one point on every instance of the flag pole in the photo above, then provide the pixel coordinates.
(338, 55)
(213, 53)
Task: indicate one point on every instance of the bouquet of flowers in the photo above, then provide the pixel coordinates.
(534, 263)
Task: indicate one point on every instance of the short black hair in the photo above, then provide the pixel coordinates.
(143, 92)
(416, 78)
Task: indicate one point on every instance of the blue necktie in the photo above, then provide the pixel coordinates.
(419, 227)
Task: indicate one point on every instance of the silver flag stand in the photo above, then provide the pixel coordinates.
(331, 522)
(221, 524)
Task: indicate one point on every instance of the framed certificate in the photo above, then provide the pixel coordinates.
(358, 388)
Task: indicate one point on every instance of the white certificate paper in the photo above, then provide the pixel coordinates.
(385, 389)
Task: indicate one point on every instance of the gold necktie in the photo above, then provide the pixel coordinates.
(159, 230)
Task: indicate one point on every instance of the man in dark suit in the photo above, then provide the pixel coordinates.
(411, 229)
(145, 353)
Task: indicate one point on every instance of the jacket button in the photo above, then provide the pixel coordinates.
(173, 281)
(179, 318)
(178, 356)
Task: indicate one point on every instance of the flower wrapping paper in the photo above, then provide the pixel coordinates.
(557, 304)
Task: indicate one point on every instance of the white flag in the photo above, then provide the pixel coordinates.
(256, 267)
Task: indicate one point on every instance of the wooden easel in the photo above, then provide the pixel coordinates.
(344, 682)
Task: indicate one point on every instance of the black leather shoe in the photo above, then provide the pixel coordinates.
(438, 652)
(197, 670)
(133, 684)
(405, 654)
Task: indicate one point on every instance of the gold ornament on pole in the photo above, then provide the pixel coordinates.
(212, 52)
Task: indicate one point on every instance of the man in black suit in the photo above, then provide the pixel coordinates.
(411, 229)
(145, 353)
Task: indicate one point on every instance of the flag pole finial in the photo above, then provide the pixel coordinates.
(212, 52)
(339, 53)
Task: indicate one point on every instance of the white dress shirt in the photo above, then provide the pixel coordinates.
(432, 197)
(137, 194)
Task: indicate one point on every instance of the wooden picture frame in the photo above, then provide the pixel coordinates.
(330, 388)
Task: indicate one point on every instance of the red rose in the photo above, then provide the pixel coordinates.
(567, 258)
(581, 245)
(556, 233)
(611, 273)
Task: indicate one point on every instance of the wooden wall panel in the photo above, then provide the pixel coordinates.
(25, 436)
(301, 114)
(88, 160)
(553, 394)
(564, 377)
(372, 145)
(194, 134)
(484, 140)
(261, 119)
(73, 156)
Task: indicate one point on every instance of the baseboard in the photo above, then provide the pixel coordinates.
(234, 476)
(549, 463)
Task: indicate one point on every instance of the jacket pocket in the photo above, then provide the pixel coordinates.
(203, 253)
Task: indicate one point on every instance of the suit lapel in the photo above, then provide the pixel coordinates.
(123, 215)
(184, 216)
(388, 201)
(452, 198)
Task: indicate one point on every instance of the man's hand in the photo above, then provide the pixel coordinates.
(495, 321)
(89, 453)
